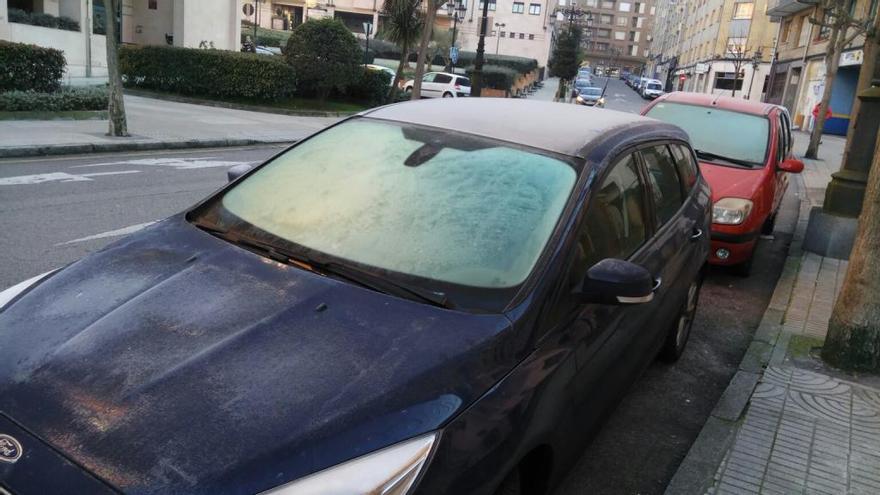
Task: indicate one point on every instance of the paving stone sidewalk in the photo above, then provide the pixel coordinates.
(804, 429)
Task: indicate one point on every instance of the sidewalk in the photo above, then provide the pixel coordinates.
(787, 423)
(155, 124)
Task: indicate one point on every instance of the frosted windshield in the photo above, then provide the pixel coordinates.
(736, 135)
(427, 203)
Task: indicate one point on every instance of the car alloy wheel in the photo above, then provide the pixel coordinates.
(681, 328)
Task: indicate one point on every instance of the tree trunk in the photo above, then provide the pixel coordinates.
(116, 107)
(423, 49)
(832, 56)
(853, 340)
(866, 74)
(397, 75)
(560, 91)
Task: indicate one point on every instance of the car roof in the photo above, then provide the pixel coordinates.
(718, 101)
(566, 129)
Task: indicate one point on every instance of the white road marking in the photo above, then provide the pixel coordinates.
(56, 177)
(176, 163)
(131, 229)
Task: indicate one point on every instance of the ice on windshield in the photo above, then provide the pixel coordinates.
(477, 217)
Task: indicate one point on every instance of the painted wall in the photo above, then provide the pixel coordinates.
(148, 26)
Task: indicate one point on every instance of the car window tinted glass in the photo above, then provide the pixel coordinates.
(654, 86)
(438, 205)
(442, 79)
(665, 185)
(615, 224)
(687, 167)
(464, 81)
(721, 132)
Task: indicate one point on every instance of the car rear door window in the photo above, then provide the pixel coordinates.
(686, 165)
(442, 79)
(615, 226)
(664, 181)
(463, 81)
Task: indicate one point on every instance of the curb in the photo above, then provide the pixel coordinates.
(78, 149)
(236, 106)
(696, 473)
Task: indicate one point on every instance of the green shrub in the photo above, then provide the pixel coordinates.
(370, 87)
(67, 99)
(217, 73)
(325, 56)
(43, 20)
(496, 76)
(30, 67)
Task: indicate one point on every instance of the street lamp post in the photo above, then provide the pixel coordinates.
(477, 74)
(756, 61)
(498, 26)
(456, 11)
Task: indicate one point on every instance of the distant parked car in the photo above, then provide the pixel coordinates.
(421, 299)
(745, 153)
(652, 89)
(442, 85)
(386, 70)
(590, 96)
(268, 50)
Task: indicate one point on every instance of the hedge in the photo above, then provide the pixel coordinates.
(30, 68)
(94, 98)
(371, 87)
(496, 76)
(265, 37)
(44, 20)
(218, 73)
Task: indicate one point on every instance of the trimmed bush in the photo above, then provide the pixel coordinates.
(325, 56)
(371, 87)
(496, 76)
(30, 68)
(43, 20)
(64, 100)
(217, 73)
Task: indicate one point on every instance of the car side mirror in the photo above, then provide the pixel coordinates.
(613, 281)
(792, 166)
(237, 171)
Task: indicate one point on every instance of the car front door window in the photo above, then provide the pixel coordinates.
(665, 185)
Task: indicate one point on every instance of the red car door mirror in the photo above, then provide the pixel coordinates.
(792, 166)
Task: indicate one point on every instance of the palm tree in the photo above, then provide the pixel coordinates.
(427, 30)
(403, 26)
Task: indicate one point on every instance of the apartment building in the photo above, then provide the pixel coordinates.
(701, 44)
(189, 23)
(798, 76)
(287, 14)
(616, 34)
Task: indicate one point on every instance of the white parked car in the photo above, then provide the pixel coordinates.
(442, 85)
(652, 88)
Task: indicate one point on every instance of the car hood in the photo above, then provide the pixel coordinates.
(731, 182)
(173, 361)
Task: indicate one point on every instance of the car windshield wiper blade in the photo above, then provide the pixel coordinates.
(712, 156)
(352, 274)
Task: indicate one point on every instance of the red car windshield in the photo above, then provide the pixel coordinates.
(740, 136)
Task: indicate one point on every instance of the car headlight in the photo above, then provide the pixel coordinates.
(390, 471)
(731, 211)
(601, 101)
(10, 293)
(580, 99)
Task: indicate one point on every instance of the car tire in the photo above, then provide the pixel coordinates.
(677, 337)
(447, 95)
(768, 225)
(512, 485)
(408, 89)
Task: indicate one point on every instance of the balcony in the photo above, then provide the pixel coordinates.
(778, 9)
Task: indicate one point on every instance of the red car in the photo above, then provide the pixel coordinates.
(744, 149)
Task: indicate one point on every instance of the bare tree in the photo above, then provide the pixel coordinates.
(427, 29)
(842, 28)
(738, 55)
(116, 106)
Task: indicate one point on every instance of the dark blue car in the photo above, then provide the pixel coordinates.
(439, 297)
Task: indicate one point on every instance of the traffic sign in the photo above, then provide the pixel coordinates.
(453, 54)
(248, 9)
(368, 28)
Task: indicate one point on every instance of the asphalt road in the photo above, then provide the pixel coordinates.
(55, 210)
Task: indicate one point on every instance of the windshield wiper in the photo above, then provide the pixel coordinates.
(712, 156)
(352, 274)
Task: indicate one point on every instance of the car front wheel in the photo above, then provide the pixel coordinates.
(681, 327)
(447, 95)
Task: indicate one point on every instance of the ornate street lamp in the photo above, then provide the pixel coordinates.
(455, 10)
(498, 26)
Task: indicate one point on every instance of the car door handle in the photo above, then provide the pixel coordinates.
(696, 234)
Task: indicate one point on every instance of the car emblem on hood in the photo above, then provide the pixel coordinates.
(10, 449)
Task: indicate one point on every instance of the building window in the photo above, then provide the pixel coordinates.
(786, 29)
(503, 33)
(512, 35)
(602, 47)
(592, 3)
(621, 21)
(619, 35)
(606, 19)
(491, 6)
(804, 31)
(603, 33)
(725, 80)
(535, 8)
(632, 36)
(522, 36)
(653, 10)
(743, 10)
(736, 46)
(152, 4)
(824, 29)
(608, 4)
(634, 21)
(624, 7)
(518, 7)
(531, 36)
